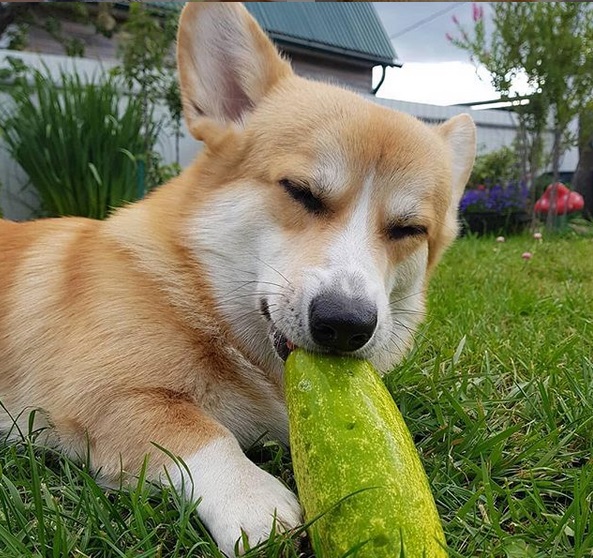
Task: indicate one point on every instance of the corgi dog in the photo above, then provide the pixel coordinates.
(312, 218)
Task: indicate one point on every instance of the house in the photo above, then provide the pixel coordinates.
(339, 42)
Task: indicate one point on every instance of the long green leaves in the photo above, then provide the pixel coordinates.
(80, 143)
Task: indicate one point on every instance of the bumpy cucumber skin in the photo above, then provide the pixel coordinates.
(348, 438)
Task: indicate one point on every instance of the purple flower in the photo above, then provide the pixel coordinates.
(502, 199)
(477, 12)
(455, 20)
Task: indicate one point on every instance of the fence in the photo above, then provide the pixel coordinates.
(496, 128)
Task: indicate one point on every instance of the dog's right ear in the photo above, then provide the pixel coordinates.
(226, 64)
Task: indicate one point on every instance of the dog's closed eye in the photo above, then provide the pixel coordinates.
(396, 232)
(303, 195)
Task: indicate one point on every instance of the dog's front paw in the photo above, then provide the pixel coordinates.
(237, 497)
(251, 508)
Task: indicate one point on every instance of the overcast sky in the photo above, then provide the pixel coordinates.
(434, 70)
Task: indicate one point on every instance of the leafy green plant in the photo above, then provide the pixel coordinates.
(79, 142)
(496, 167)
(148, 66)
(548, 45)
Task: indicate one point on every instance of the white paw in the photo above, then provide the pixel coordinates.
(249, 507)
(238, 497)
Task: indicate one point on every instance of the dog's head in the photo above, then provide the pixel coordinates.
(319, 214)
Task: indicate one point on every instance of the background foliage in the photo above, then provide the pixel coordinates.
(79, 142)
(115, 120)
(550, 44)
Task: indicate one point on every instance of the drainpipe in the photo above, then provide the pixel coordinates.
(383, 75)
(377, 87)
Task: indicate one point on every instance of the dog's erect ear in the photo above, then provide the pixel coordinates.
(226, 63)
(459, 133)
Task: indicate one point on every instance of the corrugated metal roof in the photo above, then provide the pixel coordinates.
(350, 28)
(347, 28)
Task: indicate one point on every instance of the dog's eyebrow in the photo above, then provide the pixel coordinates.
(410, 218)
(330, 173)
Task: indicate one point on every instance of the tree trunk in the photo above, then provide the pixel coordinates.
(7, 15)
(551, 220)
(583, 177)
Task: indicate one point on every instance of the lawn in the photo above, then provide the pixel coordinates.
(498, 394)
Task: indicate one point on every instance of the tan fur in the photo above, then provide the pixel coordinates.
(117, 331)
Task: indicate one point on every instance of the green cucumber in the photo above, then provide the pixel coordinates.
(358, 473)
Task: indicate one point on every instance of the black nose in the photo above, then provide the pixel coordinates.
(341, 323)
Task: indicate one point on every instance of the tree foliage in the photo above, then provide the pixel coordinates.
(17, 18)
(148, 65)
(550, 44)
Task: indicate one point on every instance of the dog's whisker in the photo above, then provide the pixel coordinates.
(407, 311)
(412, 330)
(273, 269)
(416, 293)
(254, 281)
(255, 296)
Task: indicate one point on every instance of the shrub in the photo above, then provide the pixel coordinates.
(501, 199)
(501, 209)
(79, 142)
(496, 167)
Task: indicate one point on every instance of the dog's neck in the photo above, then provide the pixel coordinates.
(156, 244)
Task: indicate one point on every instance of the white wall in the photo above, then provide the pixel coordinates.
(495, 129)
(16, 200)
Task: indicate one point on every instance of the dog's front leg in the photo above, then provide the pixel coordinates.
(235, 495)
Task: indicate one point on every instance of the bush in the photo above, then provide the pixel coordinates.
(496, 167)
(79, 143)
(502, 199)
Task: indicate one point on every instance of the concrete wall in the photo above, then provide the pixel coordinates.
(348, 75)
(495, 129)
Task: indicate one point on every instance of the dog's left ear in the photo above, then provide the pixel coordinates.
(459, 133)
(226, 63)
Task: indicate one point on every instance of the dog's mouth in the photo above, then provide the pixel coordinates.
(282, 345)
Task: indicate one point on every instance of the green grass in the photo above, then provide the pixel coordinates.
(498, 394)
(499, 397)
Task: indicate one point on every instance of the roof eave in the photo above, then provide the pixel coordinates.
(319, 48)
